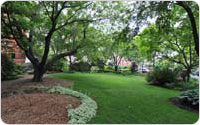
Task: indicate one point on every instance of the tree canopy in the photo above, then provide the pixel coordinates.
(100, 31)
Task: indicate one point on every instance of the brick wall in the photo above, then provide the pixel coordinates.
(10, 47)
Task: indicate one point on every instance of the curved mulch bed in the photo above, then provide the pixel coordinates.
(38, 108)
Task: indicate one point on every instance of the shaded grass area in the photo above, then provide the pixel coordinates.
(129, 99)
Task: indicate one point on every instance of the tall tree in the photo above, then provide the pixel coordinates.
(143, 13)
(173, 46)
(162, 12)
(37, 22)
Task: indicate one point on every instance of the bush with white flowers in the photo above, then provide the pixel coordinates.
(84, 112)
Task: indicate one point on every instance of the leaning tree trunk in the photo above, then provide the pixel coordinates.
(193, 24)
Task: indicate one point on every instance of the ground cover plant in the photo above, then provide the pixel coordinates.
(81, 114)
(190, 97)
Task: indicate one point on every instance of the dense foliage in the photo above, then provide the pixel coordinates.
(162, 75)
(58, 66)
(183, 86)
(81, 67)
(7, 68)
(190, 97)
(98, 32)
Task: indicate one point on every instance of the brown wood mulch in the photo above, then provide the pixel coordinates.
(38, 108)
(21, 103)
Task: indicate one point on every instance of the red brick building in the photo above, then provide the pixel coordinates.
(12, 50)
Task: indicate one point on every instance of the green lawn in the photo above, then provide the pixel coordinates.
(129, 99)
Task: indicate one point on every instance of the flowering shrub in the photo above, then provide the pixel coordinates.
(84, 112)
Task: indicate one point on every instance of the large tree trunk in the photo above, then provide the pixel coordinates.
(38, 75)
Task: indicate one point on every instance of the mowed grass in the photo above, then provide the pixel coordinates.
(129, 99)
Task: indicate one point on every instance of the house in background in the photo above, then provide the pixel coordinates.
(125, 62)
(12, 50)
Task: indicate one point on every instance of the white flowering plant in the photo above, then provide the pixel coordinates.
(82, 114)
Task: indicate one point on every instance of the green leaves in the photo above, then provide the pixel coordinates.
(115, 26)
(190, 96)
(171, 41)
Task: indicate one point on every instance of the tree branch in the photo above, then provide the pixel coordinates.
(176, 61)
(192, 22)
(49, 35)
(45, 7)
(182, 51)
(28, 52)
(12, 32)
(59, 11)
(47, 44)
(59, 56)
(73, 21)
(80, 20)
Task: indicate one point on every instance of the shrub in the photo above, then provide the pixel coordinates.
(65, 68)
(161, 76)
(190, 97)
(84, 112)
(95, 69)
(133, 67)
(124, 70)
(28, 68)
(192, 84)
(100, 64)
(108, 69)
(57, 66)
(7, 68)
(19, 69)
(81, 67)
